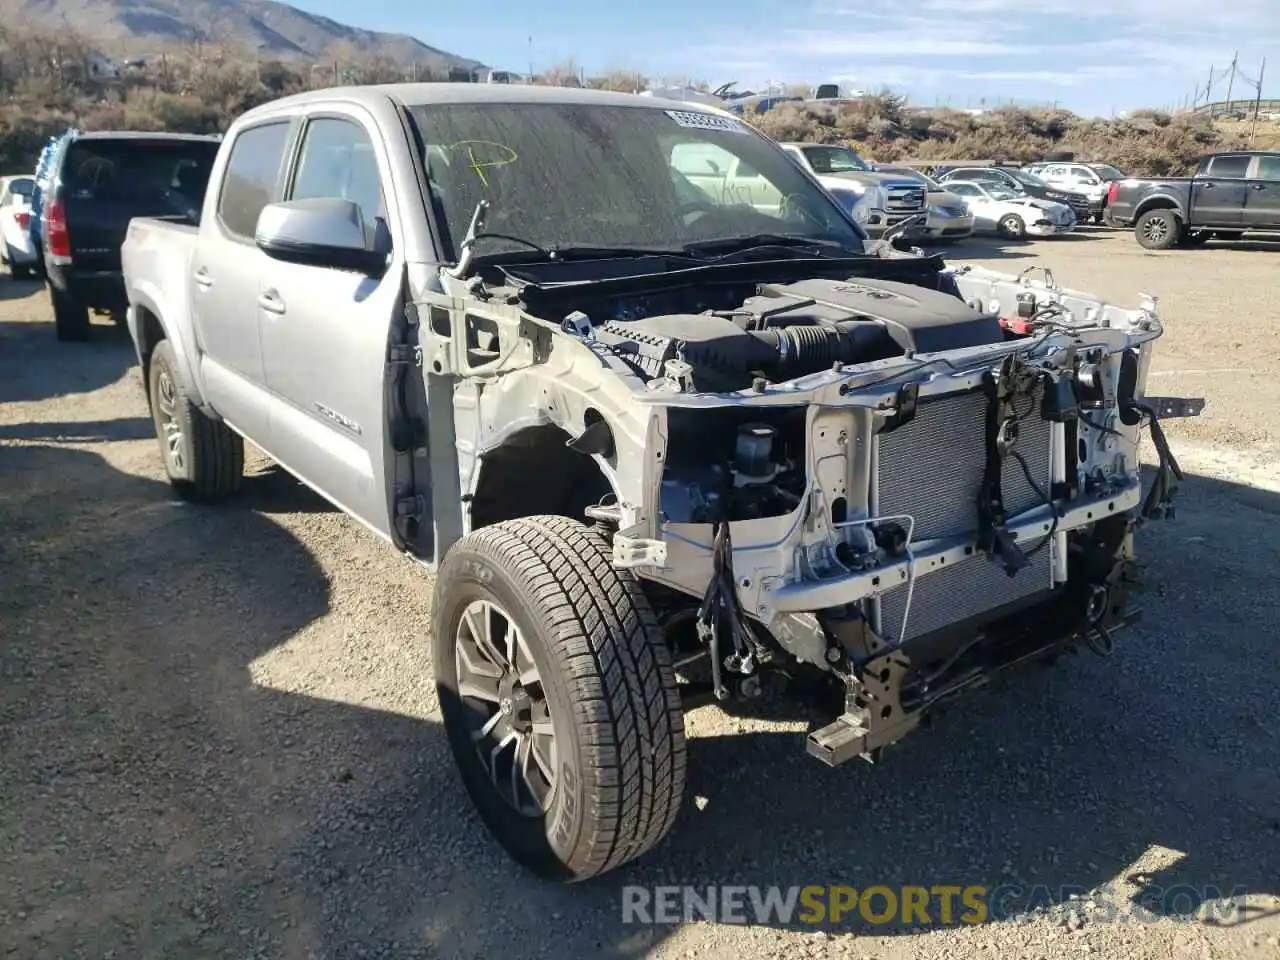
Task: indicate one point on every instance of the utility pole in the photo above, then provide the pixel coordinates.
(1231, 82)
(531, 59)
(1257, 101)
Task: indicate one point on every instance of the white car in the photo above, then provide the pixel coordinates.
(1000, 211)
(15, 215)
(1091, 179)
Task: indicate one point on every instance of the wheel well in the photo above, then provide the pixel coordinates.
(534, 472)
(1157, 203)
(150, 333)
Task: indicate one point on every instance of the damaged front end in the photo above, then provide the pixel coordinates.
(903, 485)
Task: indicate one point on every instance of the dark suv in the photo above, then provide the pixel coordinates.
(1022, 182)
(96, 184)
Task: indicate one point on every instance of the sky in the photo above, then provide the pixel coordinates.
(1096, 57)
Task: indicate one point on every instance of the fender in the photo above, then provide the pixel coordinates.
(158, 302)
(1161, 199)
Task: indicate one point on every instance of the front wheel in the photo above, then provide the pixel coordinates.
(1158, 230)
(559, 696)
(203, 458)
(1012, 226)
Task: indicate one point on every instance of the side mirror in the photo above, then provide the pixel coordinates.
(320, 232)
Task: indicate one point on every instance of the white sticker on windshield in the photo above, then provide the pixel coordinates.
(697, 120)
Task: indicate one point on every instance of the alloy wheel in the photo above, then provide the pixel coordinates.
(506, 707)
(167, 401)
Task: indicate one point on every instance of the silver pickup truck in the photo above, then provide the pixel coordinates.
(662, 446)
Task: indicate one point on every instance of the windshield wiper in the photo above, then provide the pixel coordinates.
(603, 253)
(755, 241)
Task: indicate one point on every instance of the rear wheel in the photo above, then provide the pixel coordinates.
(558, 695)
(1012, 226)
(1158, 230)
(70, 316)
(203, 458)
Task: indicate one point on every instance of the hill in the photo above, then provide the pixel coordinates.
(261, 28)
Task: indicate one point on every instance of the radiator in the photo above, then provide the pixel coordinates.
(931, 469)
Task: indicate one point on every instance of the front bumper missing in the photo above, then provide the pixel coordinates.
(1028, 528)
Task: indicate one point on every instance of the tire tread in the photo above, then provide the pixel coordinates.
(626, 706)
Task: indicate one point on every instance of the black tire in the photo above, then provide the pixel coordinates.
(1098, 219)
(70, 316)
(1012, 227)
(605, 681)
(203, 458)
(1196, 238)
(1158, 229)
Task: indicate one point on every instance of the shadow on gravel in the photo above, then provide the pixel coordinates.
(160, 803)
(97, 431)
(11, 289)
(1255, 244)
(39, 367)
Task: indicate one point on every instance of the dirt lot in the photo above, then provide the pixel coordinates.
(219, 737)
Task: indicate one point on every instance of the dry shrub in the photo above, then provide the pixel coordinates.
(881, 127)
(47, 83)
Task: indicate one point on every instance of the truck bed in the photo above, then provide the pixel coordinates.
(156, 258)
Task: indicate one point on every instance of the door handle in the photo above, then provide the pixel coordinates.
(203, 278)
(1206, 186)
(271, 302)
(1258, 186)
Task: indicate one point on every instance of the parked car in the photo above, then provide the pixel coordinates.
(1020, 181)
(702, 170)
(999, 210)
(949, 218)
(15, 219)
(98, 182)
(636, 432)
(1229, 195)
(1091, 179)
(840, 168)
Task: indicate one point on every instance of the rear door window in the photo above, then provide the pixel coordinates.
(1232, 168)
(252, 172)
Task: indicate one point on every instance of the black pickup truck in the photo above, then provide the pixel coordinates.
(1229, 195)
(98, 182)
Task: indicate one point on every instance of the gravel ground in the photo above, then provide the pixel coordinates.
(219, 737)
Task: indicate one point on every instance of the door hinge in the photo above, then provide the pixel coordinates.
(405, 353)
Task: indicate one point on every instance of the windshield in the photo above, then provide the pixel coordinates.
(914, 175)
(1030, 179)
(560, 175)
(835, 160)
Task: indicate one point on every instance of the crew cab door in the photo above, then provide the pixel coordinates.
(1262, 196)
(325, 331)
(227, 271)
(1218, 191)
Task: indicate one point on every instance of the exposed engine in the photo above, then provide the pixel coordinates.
(788, 330)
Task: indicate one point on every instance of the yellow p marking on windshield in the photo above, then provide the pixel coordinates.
(503, 155)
